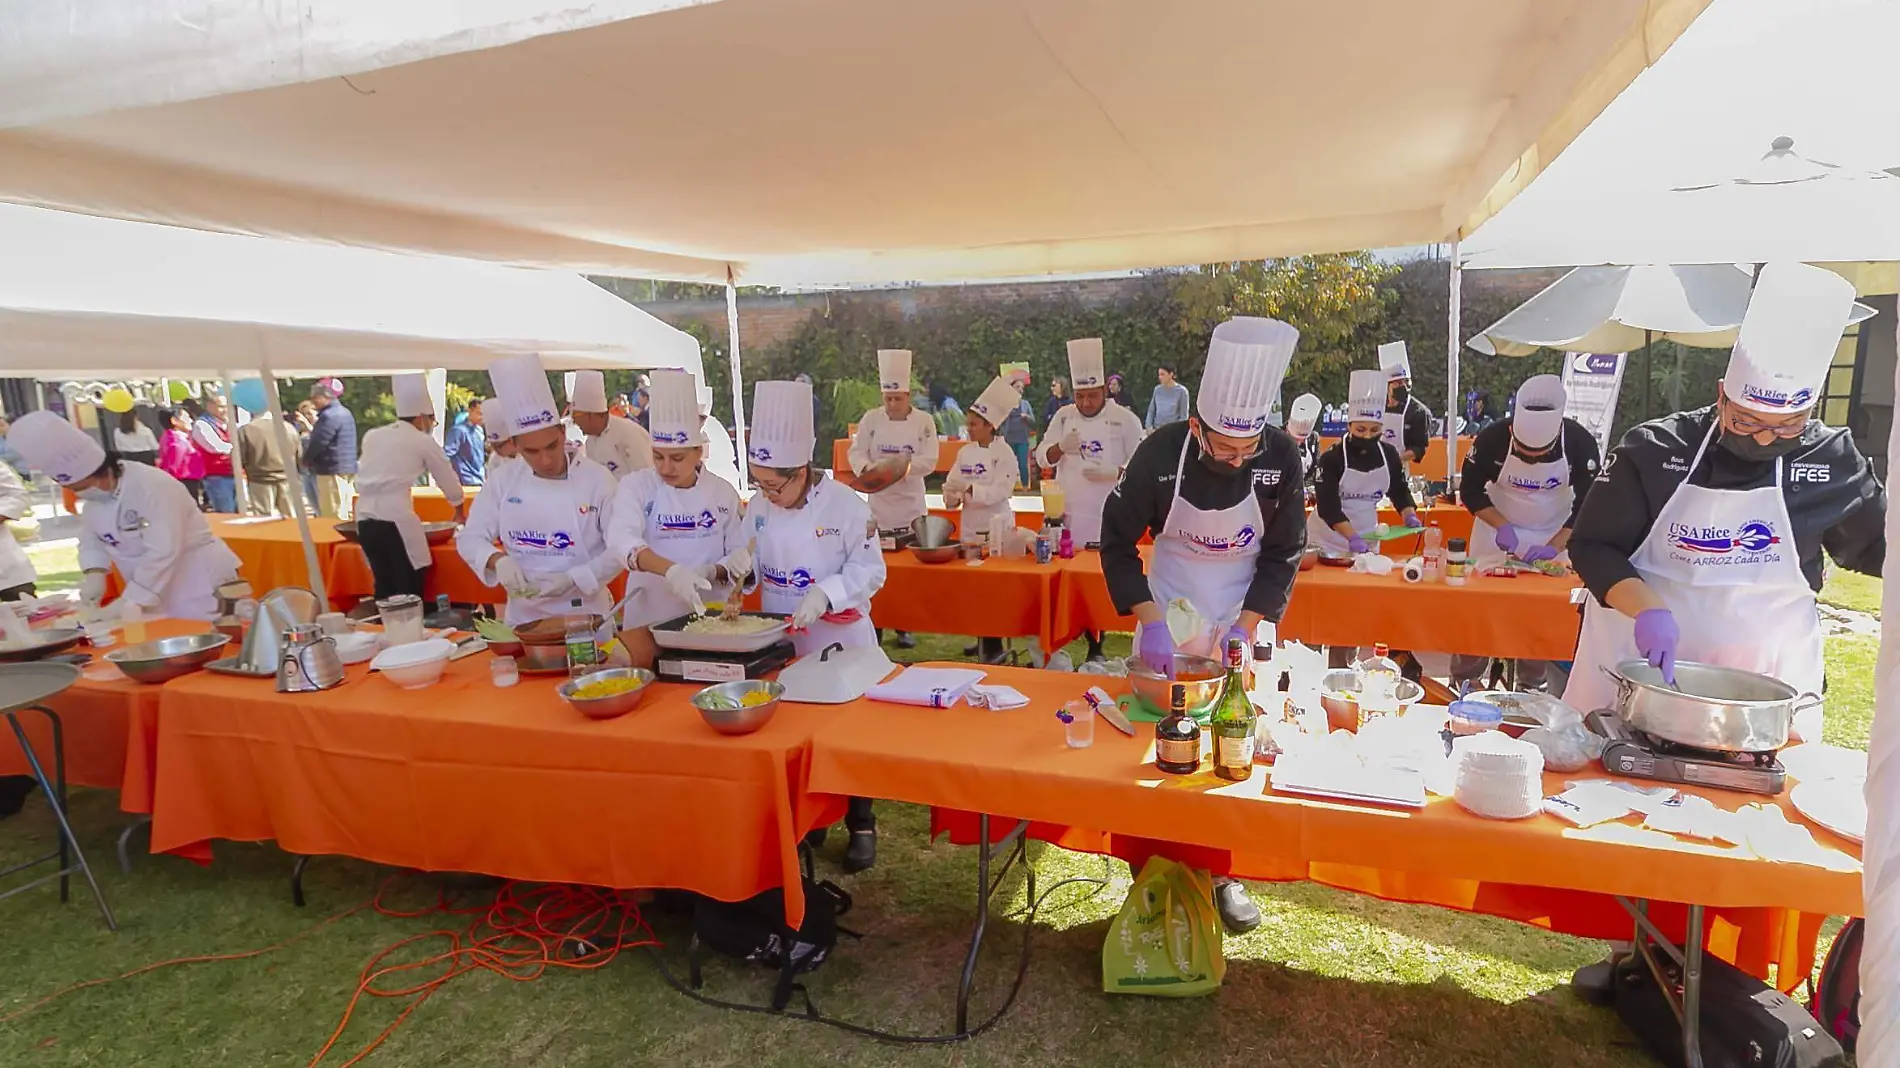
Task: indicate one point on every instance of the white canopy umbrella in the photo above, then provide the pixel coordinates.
(1617, 309)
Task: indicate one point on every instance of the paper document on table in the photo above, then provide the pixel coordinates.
(1319, 774)
(928, 687)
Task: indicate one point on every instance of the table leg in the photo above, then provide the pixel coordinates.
(1688, 1008)
(69, 855)
(125, 841)
(1012, 848)
(296, 880)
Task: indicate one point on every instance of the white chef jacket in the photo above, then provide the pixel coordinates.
(622, 448)
(153, 532)
(550, 526)
(829, 544)
(721, 460)
(879, 439)
(700, 525)
(1108, 440)
(989, 472)
(15, 568)
(394, 457)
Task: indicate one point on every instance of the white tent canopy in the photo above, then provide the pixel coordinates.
(83, 295)
(817, 141)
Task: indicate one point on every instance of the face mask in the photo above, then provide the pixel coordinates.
(94, 494)
(1362, 446)
(1749, 449)
(1402, 394)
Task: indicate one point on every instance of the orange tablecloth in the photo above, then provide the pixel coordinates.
(841, 458)
(1531, 616)
(462, 776)
(271, 550)
(433, 507)
(1109, 798)
(997, 599)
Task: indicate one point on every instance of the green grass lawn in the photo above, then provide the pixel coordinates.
(57, 565)
(1845, 589)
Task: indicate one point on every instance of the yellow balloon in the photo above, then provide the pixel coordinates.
(118, 400)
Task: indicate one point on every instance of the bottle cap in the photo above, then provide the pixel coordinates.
(1456, 545)
(1381, 649)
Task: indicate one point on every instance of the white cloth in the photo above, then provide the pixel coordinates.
(893, 370)
(1365, 396)
(622, 447)
(1533, 496)
(1359, 495)
(1206, 556)
(47, 442)
(698, 525)
(139, 439)
(1539, 417)
(1788, 338)
(551, 527)
(153, 532)
(412, 395)
(1087, 368)
(827, 543)
(1724, 563)
(996, 698)
(1107, 438)
(522, 386)
(16, 568)
(879, 440)
(587, 391)
(782, 434)
(1394, 361)
(394, 458)
(989, 473)
(1246, 359)
(721, 459)
(1301, 417)
(673, 419)
(997, 400)
(929, 687)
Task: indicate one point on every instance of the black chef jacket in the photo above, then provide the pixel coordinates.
(1333, 463)
(1834, 499)
(1140, 502)
(1417, 431)
(1485, 463)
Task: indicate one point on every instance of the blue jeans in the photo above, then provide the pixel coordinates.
(1021, 449)
(221, 493)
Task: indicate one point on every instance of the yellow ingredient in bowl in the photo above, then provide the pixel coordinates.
(755, 697)
(606, 688)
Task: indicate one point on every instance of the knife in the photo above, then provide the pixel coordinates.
(1105, 707)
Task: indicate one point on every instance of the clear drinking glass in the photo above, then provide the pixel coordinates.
(1080, 724)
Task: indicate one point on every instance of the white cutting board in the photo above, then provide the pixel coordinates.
(815, 679)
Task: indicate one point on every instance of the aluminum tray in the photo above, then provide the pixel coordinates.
(49, 641)
(670, 635)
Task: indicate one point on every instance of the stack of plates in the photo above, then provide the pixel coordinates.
(1499, 777)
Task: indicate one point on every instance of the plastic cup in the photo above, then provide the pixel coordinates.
(1080, 726)
(503, 671)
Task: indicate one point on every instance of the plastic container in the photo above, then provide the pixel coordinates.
(1065, 548)
(1474, 717)
(503, 671)
(583, 647)
(1434, 553)
(414, 665)
(1078, 722)
(1457, 563)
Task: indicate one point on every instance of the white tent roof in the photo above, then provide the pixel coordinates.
(821, 141)
(98, 296)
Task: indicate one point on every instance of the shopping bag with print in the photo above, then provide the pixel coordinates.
(1166, 940)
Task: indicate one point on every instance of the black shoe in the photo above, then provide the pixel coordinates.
(815, 840)
(13, 793)
(1596, 983)
(971, 650)
(1238, 913)
(861, 853)
(904, 640)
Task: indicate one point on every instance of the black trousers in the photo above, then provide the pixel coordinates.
(14, 788)
(388, 558)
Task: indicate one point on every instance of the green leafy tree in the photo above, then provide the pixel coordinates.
(1331, 299)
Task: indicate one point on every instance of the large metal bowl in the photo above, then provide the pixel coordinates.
(167, 658)
(1339, 696)
(46, 642)
(743, 719)
(937, 554)
(612, 705)
(933, 531)
(1711, 707)
(1205, 680)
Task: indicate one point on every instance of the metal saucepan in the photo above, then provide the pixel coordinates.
(1711, 707)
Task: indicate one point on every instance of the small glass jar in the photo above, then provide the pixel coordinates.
(1078, 723)
(503, 671)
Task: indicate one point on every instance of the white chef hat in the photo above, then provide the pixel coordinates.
(893, 370)
(704, 395)
(1788, 338)
(1393, 360)
(497, 418)
(1246, 359)
(998, 399)
(412, 395)
(1365, 395)
(673, 410)
(522, 387)
(1304, 413)
(587, 391)
(1087, 369)
(1539, 417)
(782, 433)
(53, 445)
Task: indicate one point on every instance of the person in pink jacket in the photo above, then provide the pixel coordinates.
(180, 459)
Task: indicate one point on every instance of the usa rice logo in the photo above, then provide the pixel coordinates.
(686, 522)
(760, 454)
(1092, 449)
(1724, 545)
(1774, 398)
(670, 437)
(1550, 483)
(533, 419)
(977, 470)
(1214, 543)
(1242, 427)
(796, 579)
(554, 541)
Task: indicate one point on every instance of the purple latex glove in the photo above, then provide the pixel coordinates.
(1235, 631)
(1536, 553)
(1507, 538)
(1356, 545)
(1656, 638)
(1412, 520)
(1157, 649)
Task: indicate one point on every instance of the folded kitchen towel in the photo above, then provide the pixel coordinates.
(928, 687)
(997, 698)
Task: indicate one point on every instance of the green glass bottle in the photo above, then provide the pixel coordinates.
(1232, 723)
(1178, 737)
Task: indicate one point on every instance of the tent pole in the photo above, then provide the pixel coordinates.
(1880, 1023)
(1453, 315)
(738, 377)
(230, 427)
(286, 450)
(1649, 371)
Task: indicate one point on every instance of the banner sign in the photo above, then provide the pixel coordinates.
(1592, 381)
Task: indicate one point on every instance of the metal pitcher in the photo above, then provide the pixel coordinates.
(310, 661)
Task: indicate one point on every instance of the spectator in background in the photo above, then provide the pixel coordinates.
(1017, 426)
(331, 452)
(266, 475)
(1169, 402)
(303, 420)
(133, 440)
(1478, 413)
(1118, 393)
(211, 436)
(642, 398)
(1058, 399)
(178, 458)
(467, 444)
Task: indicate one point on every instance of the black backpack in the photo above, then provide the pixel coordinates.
(755, 930)
(1745, 1022)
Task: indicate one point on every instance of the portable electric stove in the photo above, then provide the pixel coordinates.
(1639, 756)
(895, 538)
(684, 665)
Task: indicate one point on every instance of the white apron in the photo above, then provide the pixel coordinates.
(1359, 495)
(792, 559)
(1724, 562)
(683, 525)
(548, 533)
(1082, 496)
(1206, 556)
(894, 506)
(400, 510)
(1394, 432)
(191, 587)
(1534, 497)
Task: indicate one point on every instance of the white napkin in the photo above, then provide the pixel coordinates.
(929, 687)
(997, 698)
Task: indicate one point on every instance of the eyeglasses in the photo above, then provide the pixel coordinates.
(773, 489)
(1742, 424)
(1229, 456)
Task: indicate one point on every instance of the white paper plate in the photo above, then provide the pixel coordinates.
(1834, 804)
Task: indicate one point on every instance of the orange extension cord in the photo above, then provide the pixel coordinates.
(520, 934)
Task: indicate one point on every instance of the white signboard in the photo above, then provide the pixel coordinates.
(1591, 382)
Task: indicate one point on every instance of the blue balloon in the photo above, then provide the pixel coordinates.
(249, 395)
